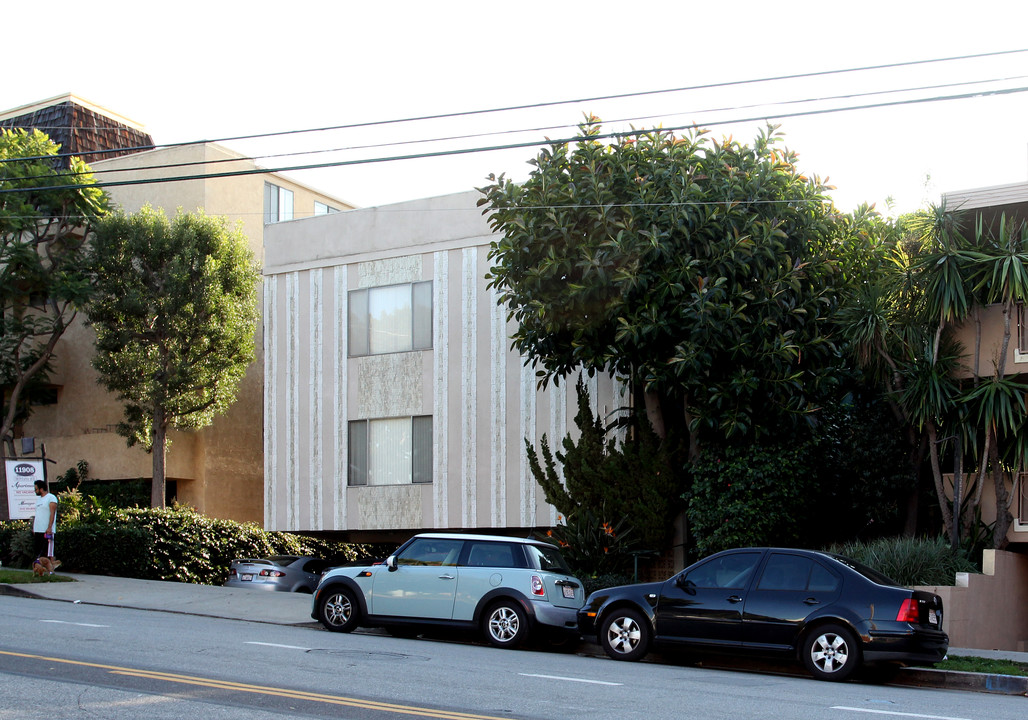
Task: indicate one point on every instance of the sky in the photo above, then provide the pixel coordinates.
(219, 69)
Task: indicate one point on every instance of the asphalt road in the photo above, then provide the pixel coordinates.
(66, 660)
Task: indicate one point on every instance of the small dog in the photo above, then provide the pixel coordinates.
(45, 566)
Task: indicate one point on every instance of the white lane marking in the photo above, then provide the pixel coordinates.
(287, 647)
(901, 714)
(63, 622)
(569, 679)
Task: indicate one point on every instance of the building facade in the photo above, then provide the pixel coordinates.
(218, 470)
(393, 399)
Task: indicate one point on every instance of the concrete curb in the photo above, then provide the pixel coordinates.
(957, 680)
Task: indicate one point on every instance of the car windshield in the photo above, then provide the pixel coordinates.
(870, 573)
(547, 558)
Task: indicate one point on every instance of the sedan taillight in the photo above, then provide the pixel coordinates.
(537, 586)
(908, 612)
(272, 573)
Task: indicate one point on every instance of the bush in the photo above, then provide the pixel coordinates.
(910, 561)
(174, 543)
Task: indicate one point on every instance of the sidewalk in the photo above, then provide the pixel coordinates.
(279, 608)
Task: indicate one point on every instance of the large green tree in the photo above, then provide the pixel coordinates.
(175, 310)
(47, 207)
(700, 270)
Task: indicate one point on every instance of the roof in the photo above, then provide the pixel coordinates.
(81, 128)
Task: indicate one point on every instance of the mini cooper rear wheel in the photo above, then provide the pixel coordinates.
(505, 624)
(625, 634)
(830, 652)
(338, 610)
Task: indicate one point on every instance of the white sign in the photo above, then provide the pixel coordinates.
(21, 493)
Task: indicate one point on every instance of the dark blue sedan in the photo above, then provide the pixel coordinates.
(829, 611)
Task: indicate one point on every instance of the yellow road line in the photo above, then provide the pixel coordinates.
(264, 690)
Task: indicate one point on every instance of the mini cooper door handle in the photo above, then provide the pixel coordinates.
(447, 576)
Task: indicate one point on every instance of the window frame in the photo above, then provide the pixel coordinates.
(360, 459)
(359, 320)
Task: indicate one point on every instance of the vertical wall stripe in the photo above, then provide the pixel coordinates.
(621, 401)
(339, 400)
(317, 383)
(440, 388)
(271, 420)
(558, 396)
(469, 394)
(527, 427)
(292, 399)
(498, 408)
(592, 384)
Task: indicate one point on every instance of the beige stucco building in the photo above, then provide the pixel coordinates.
(218, 470)
(393, 400)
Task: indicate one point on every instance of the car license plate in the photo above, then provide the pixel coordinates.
(569, 592)
(246, 577)
(933, 617)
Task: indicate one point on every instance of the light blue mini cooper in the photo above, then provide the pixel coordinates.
(509, 588)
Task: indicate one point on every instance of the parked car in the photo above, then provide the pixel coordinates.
(288, 573)
(506, 588)
(829, 611)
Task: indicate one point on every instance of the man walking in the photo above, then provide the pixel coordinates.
(43, 526)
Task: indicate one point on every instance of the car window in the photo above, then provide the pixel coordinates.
(727, 571)
(430, 551)
(785, 572)
(870, 573)
(822, 579)
(547, 557)
(492, 554)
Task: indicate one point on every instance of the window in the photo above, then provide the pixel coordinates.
(494, 555)
(278, 204)
(727, 571)
(389, 319)
(792, 572)
(1022, 330)
(391, 451)
(321, 208)
(430, 551)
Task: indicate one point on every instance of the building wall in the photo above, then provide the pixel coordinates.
(482, 398)
(220, 469)
(991, 345)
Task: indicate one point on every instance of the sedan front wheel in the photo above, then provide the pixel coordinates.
(625, 635)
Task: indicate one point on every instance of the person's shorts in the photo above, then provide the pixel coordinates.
(44, 545)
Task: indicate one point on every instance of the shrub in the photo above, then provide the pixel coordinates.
(174, 543)
(909, 561)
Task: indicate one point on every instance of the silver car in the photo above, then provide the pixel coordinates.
(288, 573)
(506, 588)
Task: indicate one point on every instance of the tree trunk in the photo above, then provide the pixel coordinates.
(933, 454)
(1003, 516)
(654, 413)
(160, 442)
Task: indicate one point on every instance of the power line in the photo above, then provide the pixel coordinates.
(534, 143)
(207, 163)
(533, 106)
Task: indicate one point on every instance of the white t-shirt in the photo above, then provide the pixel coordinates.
(42, 519)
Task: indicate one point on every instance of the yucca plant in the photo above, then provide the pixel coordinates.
(910, 561)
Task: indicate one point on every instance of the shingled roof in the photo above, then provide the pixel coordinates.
(80, 128)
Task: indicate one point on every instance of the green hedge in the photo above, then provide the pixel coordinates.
(164, 544)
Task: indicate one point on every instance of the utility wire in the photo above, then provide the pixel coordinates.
(470, 136)
(533, 106)
(535, 143)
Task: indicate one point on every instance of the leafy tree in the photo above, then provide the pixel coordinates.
(174, 311)
(701, 271)
(46, 211)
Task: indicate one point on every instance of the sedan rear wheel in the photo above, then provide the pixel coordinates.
(830, 652)
(625, 635)
(338, 610)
